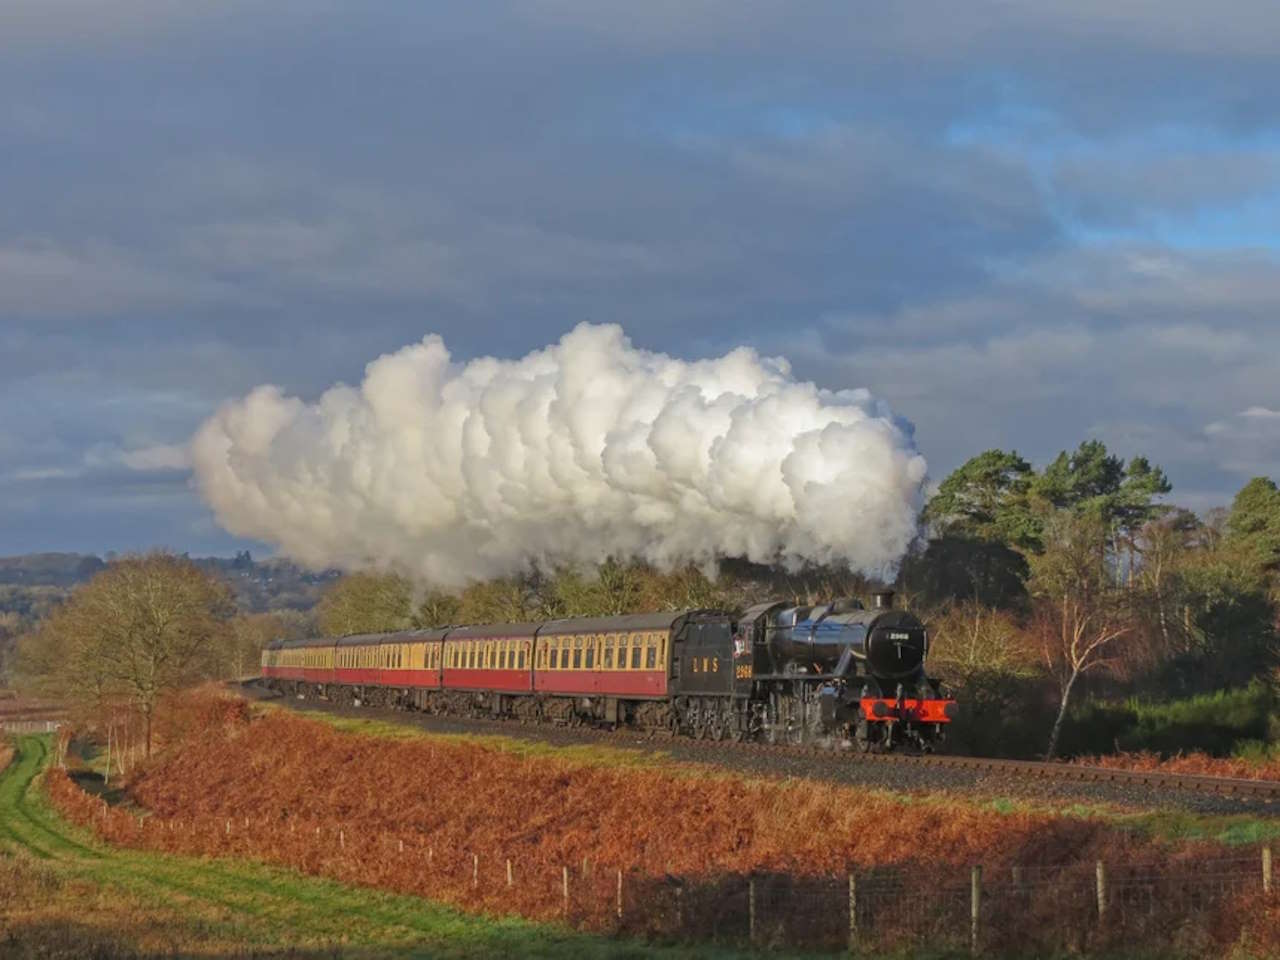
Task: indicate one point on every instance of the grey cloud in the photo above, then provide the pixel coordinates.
(199, 199)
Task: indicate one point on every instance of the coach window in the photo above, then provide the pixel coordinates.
(522, 654)
(589, 660)
(651, 655)
(577, 653)
(635, 653)
(607, 662)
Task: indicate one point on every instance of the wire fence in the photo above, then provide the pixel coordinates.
(1188, 906)
(1083, 908)
(30, 726)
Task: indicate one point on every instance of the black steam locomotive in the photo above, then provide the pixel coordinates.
(833, 672)
(805, 673)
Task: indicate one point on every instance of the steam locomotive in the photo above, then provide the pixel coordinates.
(838, 672)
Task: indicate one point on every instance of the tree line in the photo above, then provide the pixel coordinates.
(1037, 585)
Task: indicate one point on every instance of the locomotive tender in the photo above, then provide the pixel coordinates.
(778, 672)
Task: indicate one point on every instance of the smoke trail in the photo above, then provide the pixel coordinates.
(586, 449)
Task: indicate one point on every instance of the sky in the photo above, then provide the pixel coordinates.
(1022, 224)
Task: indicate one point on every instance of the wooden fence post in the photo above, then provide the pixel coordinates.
(619, 896)
(510, 878)
(1266, 869)
(564, 879)
(751, 910)
(853, 914)
(975, 908)
(1101, 871)
(475, 870)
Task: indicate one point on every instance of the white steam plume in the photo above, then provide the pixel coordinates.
(586, 449)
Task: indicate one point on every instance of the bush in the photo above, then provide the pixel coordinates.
(1216, 723)
(1002, 714)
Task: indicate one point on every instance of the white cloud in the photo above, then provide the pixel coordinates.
(152, 458)
(159, 456)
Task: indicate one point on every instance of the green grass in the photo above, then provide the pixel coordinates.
(85, 897)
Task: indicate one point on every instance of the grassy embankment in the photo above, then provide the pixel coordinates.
(1154, 824)
(64, 894)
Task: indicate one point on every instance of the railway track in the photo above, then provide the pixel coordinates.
(815, 760)
(1220, 786)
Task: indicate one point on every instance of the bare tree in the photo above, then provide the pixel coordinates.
(143, 627)
(971, 636)
(367, 602)
(1075, 641)
(1082, 614)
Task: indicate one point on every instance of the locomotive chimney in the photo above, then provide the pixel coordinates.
(883, 599)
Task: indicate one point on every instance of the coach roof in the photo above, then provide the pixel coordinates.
(487, 631)
(626, 623)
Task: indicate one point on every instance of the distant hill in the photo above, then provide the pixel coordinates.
(259, 585)
(49, 569)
